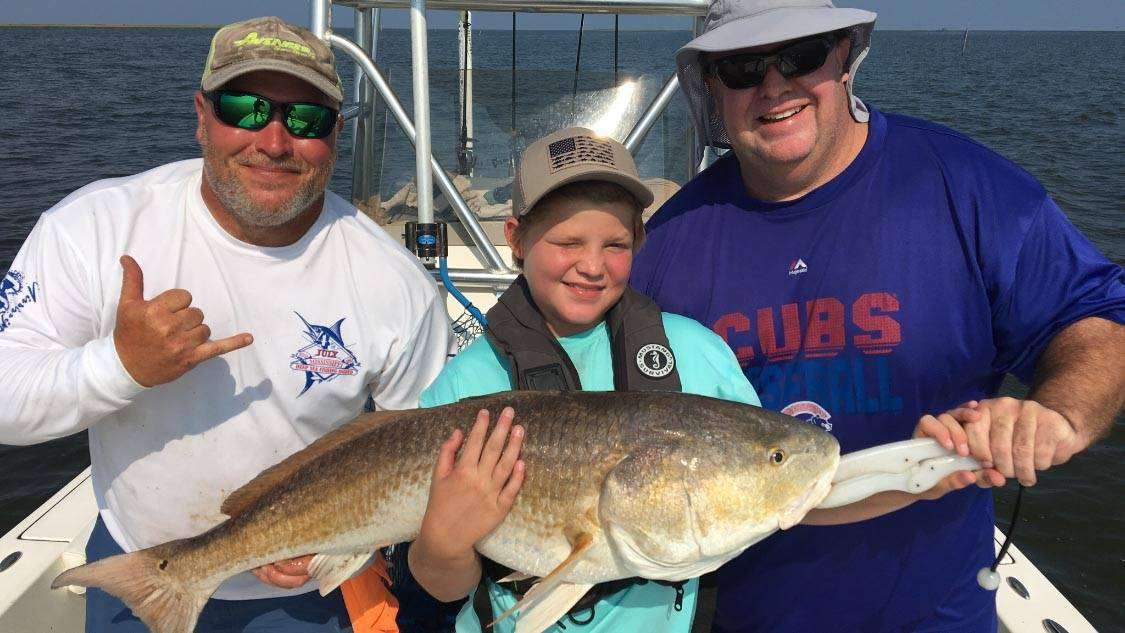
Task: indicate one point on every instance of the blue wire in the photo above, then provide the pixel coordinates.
(443, 268)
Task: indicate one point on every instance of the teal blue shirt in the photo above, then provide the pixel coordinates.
(707, 367)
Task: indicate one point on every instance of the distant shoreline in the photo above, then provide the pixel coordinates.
(588, 29)
(110, 26)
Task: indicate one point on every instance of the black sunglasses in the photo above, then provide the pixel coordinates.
(253, 112)
(746, 70)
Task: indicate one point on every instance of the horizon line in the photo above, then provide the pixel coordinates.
(60, 25)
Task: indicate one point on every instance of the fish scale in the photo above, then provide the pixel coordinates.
(618, 484)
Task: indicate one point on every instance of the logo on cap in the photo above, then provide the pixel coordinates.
(579, 149)
(253, 39)
(655, 361)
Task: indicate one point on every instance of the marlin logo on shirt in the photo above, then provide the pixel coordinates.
(15, 293)
(325, 357)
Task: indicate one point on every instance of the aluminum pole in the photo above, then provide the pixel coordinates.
(361, 188)
(478, 277)
(370, 163)
(420, 63)
(320, 20)
(468, 220)
(465, 139)
(651, 114)
(695, 160)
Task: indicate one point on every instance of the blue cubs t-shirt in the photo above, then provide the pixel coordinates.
(910, 283)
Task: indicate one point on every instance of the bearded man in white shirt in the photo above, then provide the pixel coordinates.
(207, 318)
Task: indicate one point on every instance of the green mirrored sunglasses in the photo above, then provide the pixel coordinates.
(253, 112)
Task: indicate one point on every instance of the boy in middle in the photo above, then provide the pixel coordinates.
(570, 321)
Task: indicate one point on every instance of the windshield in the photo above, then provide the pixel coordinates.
(507, 111)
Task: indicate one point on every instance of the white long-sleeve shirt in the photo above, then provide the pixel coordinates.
(342, 314)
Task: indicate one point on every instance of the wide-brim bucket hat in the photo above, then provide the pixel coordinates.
(735, 24)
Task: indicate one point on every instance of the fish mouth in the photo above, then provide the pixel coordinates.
(796, 511)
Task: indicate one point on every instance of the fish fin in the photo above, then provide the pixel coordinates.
(163, 602)
(552, 580)
(515, 576)
(550, 606)
(238, 501)
(331, 570)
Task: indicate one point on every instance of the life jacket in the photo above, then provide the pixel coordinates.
(642, 361)
(642, 357)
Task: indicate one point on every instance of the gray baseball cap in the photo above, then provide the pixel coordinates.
(735, 24)
(270, 44)
(571, 155)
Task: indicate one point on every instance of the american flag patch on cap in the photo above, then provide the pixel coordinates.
(575, 150)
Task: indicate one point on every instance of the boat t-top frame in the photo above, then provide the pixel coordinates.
(372, 85)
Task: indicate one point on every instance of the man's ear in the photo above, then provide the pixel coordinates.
(842, 52)
(200, 114)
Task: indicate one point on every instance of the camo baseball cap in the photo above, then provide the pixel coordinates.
(571, 155)
(268, 43)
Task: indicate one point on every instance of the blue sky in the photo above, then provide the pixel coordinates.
(893, 14)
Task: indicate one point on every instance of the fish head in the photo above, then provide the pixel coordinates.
(693, 500)
(758, 476)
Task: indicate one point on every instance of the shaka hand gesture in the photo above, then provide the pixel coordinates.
(162, 339)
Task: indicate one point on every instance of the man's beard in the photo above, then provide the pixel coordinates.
(236, 199)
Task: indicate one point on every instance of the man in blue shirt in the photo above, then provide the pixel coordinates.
(867, 269)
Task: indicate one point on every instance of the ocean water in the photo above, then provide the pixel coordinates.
(79, 105)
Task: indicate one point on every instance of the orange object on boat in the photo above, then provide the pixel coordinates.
(371, 605)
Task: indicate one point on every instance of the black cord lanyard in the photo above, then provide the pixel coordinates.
(987, 577)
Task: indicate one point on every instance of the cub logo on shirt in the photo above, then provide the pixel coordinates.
(811, 412)
(15, 293)
(655, 361)
(325, 357)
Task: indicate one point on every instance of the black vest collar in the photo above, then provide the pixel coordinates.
(642, 357)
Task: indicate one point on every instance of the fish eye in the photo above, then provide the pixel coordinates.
(777, 456)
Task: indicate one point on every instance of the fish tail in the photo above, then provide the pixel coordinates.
(163, 601)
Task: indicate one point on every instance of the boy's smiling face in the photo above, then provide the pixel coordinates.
(576, 260)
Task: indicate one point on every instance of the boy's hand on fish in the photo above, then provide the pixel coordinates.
(1019, 437)
(471, 494)
(949, 429)
(162, 339)
(286, 574)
